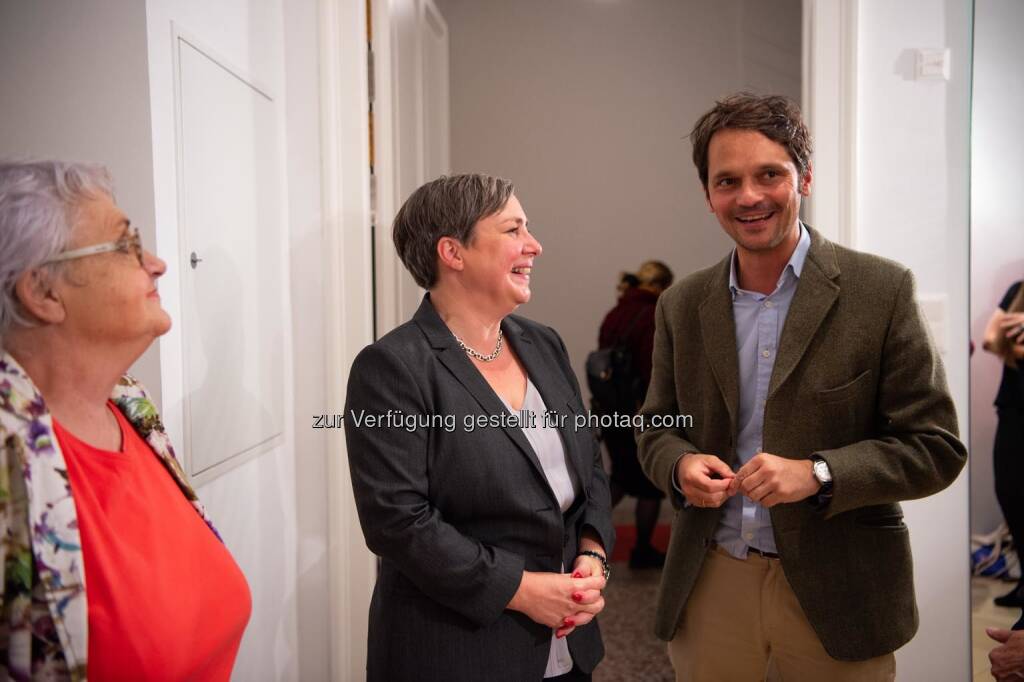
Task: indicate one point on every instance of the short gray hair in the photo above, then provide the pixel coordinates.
(38, 204)
(447, 207)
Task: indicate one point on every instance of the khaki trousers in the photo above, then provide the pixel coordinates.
(743, 623)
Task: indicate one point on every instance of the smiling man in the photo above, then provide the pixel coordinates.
(819, 403)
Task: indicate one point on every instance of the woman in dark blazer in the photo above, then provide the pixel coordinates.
(488, 507)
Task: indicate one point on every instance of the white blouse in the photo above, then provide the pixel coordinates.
(546, 442)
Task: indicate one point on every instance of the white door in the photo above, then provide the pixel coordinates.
(411, 124)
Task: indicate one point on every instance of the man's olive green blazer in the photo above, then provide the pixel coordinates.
(856, 381)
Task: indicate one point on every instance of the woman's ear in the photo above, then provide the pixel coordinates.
(37, 296)
(449, 251)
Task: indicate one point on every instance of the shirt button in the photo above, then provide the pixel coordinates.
(769, 304)
(765, 353)
(748, 536)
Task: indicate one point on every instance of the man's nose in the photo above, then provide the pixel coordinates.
(750, 194)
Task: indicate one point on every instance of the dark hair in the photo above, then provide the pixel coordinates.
(775, 117)
(656, 273)
(447, 207)
(629, 279)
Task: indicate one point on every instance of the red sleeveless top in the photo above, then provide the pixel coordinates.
(166, 600)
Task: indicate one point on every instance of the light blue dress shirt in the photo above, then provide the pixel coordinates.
(759, 322)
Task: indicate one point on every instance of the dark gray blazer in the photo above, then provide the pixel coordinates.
(456, 516)
(856, 381)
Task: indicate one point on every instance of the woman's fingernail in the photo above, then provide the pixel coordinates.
(576, 596)
(569, 622)
(577, 574)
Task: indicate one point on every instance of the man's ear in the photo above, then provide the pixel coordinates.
(37, 297)
(805, 181)
(449, 251)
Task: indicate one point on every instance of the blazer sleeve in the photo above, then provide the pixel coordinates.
(659, 449)
(598, 512)
(917, 452)
(391, 482)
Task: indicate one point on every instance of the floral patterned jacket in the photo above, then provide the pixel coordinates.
(43, 619)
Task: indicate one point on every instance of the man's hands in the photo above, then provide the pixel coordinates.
(1008, 658)
(767, 479)
(704, 479)
(770, 480)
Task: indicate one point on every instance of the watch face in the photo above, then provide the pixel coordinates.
(821, 472)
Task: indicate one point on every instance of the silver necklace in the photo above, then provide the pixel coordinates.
(480, 356)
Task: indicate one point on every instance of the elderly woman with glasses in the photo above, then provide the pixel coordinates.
(89, 484)
(474, 480)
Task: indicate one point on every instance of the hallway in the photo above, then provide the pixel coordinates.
(632, 652)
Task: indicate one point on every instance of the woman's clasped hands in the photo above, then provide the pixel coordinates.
(562, 601)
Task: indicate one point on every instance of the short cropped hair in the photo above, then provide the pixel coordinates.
(38, 207)
(656, 273)
(775, 117)
(446, 207)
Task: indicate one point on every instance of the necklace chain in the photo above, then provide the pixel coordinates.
(480, 356)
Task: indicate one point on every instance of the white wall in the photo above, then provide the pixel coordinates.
(302, 111)
(253, 505)
(912, 205)
(73, 86)
(586, 107)
(997, 251)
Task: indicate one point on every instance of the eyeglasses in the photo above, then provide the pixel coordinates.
(131, 243)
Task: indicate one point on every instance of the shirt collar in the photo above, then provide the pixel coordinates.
(795, 264)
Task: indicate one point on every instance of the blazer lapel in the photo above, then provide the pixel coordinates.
(455, 360)
(545, 376)
(815, 295)
(718, 329)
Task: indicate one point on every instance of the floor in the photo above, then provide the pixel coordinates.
(632, 652)
(986, 614)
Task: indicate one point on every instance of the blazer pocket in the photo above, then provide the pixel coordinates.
(883, 521)
(845, 391)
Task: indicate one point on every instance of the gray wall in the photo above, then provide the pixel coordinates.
(74, 85)
(586, 106)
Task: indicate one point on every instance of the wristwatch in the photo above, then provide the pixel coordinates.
(823, 475)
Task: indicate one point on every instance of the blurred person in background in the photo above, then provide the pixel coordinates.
(1004, 337)
(627, 281)
(630, 325)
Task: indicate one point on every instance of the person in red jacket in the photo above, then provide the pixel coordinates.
(631, 323)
